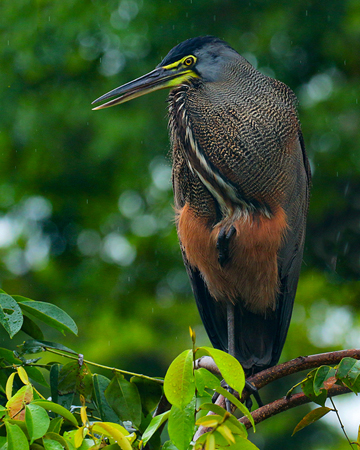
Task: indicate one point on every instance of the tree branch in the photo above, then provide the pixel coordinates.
(267, 376)
(299, 364)
(283, 404)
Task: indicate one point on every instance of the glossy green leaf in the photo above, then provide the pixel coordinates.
(307, 387)
(37, 421)
(211, 420)
(242, 444)
(321, 375)
(36, 375)
(54, 381)
(311, 417)
(16, 438)
(50, 444)
(114, 431)
(48, 313)
(9, 356)
(237, 403)
(179, 383)
(154, 425)
(124, 399)
(53, 436)
(68, 378)
(232, 422)
(3, 443)
(181, 425)
(57, 409)
(150, 393)
(63, 399)
(55, 425)
(204, 378)
(31, 328)
(11, 317)
(168, 445)
(107, 414)
(229, 367)
(349, 373)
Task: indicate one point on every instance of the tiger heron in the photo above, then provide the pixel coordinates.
(241, 182)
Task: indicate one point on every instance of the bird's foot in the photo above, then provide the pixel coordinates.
(222, 244)
(229, 406)
(252, 391)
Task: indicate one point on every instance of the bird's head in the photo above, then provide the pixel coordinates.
(201, 58)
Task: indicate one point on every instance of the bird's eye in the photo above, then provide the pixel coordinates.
(189, 61)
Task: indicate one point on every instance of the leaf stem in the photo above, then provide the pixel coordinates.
(101, 366)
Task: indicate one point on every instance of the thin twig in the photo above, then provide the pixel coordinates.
(341, 424)
(101, 366)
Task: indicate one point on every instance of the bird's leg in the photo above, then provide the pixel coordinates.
(230, 311)
(253, 391)
(231, 339)
(222, 244)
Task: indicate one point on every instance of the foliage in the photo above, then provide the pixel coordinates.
(113, 412)
(122, 413)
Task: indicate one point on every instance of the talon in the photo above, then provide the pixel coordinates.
(253, 391)
(222, 245)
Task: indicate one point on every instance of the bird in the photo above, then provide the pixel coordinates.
(241, 181)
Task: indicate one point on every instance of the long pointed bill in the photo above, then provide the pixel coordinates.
(160, 78)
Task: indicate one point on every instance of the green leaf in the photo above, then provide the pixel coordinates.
(50, 444)
(17, 402)
(232, 422)
(57, 409)
(37, 421)
(154, 425)
(211, 420)
(54, 381)
(35, 346)
(181, 425)
(311, 417)
(124, 399)
(179, 383)
(55, 425)
(11, 317)
(3, 443)
(36, 375)
(68, 378)
(31, 328)
(204, 378)
(349, 373)
(106, 412)
(9, 356)
(150, 393)
(237, 403)
(321, 375)
(64, 400)
(114, 431)
(50, 435)
(168, 445)
(307, 387)
(242, 444)
(230, 368)
(16, 438)
(48, 313)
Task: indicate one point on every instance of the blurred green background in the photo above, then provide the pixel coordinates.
(86, 217)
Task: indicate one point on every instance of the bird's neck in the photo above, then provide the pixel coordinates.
(226, 194)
